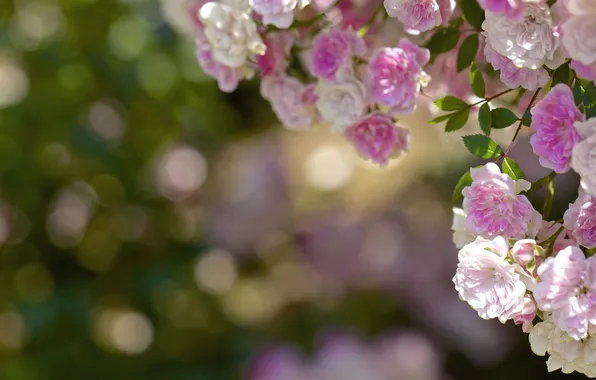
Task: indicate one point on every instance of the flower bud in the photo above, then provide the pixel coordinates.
(523, 251)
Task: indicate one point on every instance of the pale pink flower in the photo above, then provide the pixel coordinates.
(513, 76)
(487, 282)
(277, 12)
(525, 314)
(493, 205)
(579, 38)
(514, 9)
(393, 76)
(376, 138)
(332, 53)
(580, 219)
(446, 7)
(584, 71)
(530, 42)
(275, 59)
(419, 15)
(583, 160)
(293, 102)
(567, 289)
(227, 77)
(580, 7)
(552, 119)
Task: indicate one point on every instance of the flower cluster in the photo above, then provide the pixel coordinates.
(313, 72)
(328, 65)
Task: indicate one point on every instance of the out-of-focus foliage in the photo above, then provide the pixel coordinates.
(152, 227)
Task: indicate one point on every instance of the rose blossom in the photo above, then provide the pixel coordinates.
(419, 15)
(567, 289)
(493, 206)
(513, 9)
(231, 31)
(581, 7)
(227, 77)
(332, 53)
(583, 159)
(446, 7)
(584, 71)
(552, 119)
(513, 76)
(525, 314)
(341, 103)
(376, 138)
(275, 59)
(486, 281)
(579, 38)
(566, 353)
(393, 76)
(530, 42)
(580, 219)
(277, 12)
(292, 101)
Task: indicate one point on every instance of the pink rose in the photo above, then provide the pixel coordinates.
(419, 15)
(493, 205)
(552, 119)
(376, 138)
(332, 53)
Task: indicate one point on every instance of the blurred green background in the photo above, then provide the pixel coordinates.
(153, 227)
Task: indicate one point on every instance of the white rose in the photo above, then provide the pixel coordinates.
(461, 233)
(529, 43)
(278, 12)
(486, 281)
(341, 104)
(566, 353)
(231, 31)
(579, 38)
(583, 158)
(581, 7)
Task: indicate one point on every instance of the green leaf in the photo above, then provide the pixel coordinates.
(443, 40)
(450, 103)
(589, 98)
(473, 14)
(527, 118)
(464, 181)
(467, 52)
(578, 93)
(502, 118)
(482, 146)
(511, 168)
(561, 75)
(458, 120)
(539, 183)
(440, 119)
(485, 119)
(477, 82)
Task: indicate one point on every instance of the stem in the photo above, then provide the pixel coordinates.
(519, 125)
(548, 202)
(364, 30)
(491, 98)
